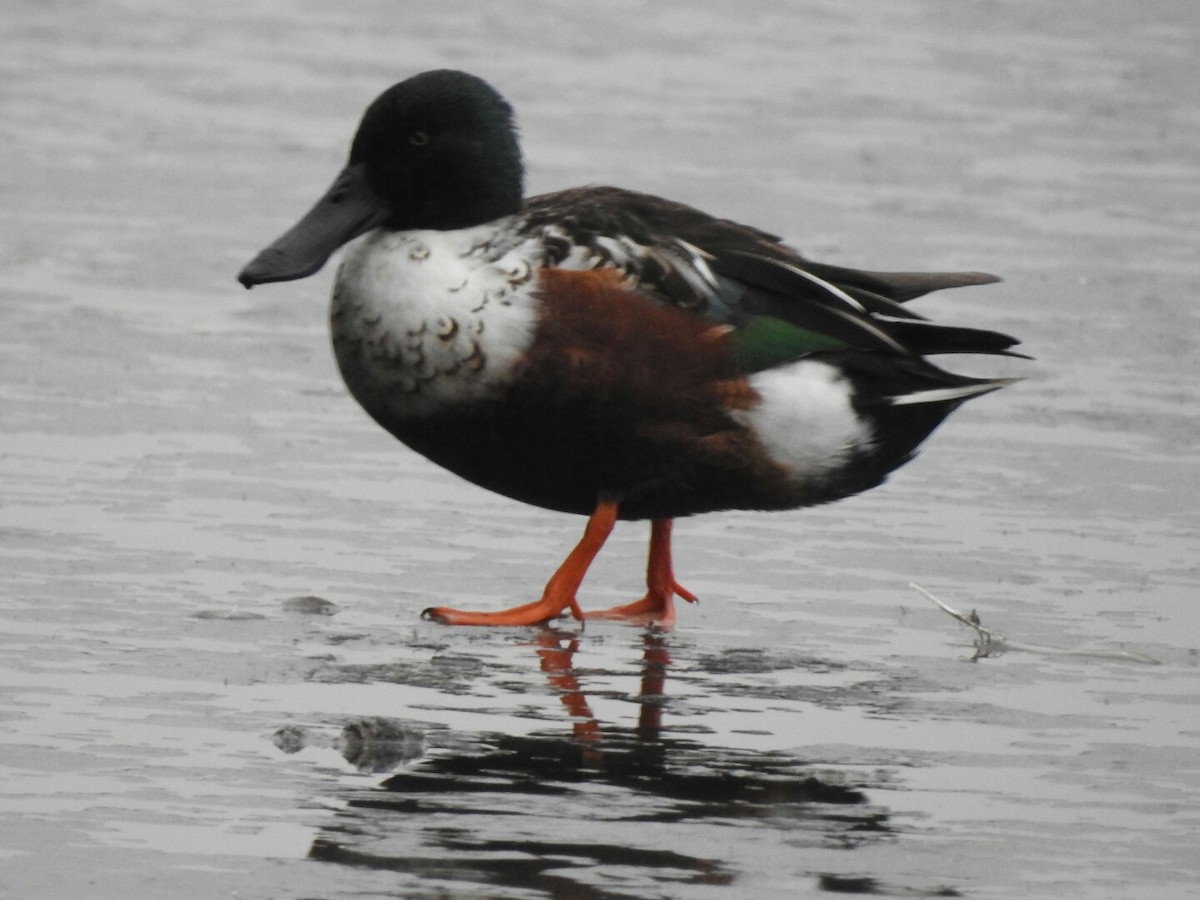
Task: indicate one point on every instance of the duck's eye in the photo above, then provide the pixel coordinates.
(418, 138)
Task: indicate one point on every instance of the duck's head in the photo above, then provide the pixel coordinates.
(438, 150)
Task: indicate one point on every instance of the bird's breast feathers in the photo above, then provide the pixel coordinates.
(426, 320)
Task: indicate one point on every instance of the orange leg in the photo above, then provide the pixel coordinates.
(658, 606)
(559, 594)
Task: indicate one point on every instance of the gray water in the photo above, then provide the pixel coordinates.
(180, 466)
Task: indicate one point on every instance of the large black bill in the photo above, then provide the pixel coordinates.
(349, 208)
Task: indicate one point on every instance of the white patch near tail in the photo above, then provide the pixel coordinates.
(805, 418)
(949, 395)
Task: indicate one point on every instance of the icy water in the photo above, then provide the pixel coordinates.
(213, 678)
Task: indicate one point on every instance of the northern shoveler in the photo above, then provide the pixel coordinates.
(605, 352)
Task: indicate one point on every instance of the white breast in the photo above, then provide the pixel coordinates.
(426, 320)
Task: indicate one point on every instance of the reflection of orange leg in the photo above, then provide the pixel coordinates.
(557, 662)
(658, 606)
(655, 662)
(559, 594)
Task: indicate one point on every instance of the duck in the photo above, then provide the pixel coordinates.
(605, 352)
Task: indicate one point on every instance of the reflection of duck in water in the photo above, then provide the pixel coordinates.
(604, 352)
(556, 652)
(560, 812)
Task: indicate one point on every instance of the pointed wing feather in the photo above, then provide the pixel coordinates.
(788, 292)
(898, 286)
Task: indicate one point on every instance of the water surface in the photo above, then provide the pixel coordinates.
(180, 464)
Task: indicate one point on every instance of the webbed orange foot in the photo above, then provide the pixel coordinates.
(656, 608)
(559, 595)
(535, 613)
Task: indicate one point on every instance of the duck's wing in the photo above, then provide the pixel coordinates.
(779, 304)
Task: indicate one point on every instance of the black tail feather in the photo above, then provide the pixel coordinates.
(926, 338)
(898, 286)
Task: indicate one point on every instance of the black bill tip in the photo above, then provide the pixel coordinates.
(276, 264)
(349, 208)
